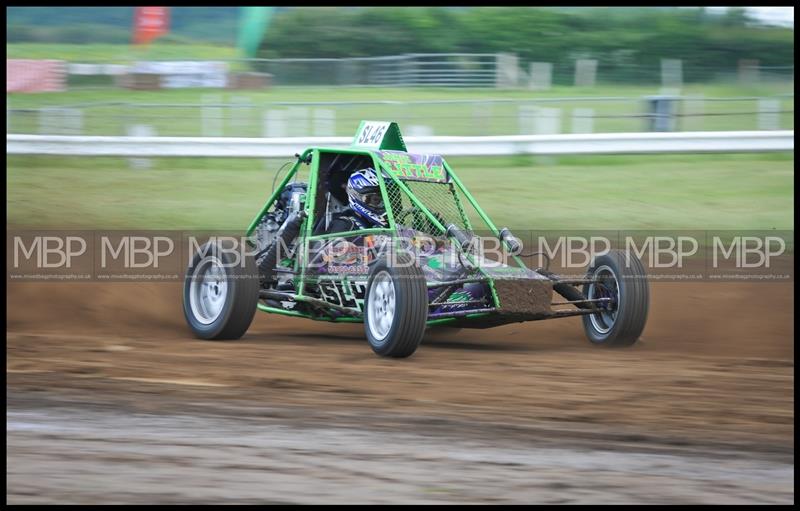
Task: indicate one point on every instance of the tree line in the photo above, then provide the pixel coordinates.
(627, 42)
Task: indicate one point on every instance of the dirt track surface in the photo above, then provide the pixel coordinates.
(111, 400)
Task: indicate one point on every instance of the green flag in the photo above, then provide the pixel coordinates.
(252, 26)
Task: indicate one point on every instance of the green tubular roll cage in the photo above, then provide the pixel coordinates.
(391, 139)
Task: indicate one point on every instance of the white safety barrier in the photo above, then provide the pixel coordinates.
(597, 143)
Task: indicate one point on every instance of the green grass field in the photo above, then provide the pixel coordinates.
(176, 112)
(742, 191)
(704, 192)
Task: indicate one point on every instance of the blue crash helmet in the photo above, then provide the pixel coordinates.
(364, 195)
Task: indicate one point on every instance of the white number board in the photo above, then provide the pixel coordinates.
(371, 133)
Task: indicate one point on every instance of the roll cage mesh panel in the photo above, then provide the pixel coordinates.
(443, 200)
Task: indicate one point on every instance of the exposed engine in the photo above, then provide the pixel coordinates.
(277, 233)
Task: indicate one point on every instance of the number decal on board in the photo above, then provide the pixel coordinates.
(372, 133)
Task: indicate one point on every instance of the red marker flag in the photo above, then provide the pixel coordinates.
(150, 23)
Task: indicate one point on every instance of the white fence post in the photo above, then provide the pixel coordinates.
(547, 121)
(749, 71)
(585, 72)
(298, 121)
(671, 75)
(140, 130)
(541, 75)
(769, 114)
(324, 122)
(582, 120)
(507, 74)
(275, 123)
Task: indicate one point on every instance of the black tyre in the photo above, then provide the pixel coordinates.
(219, 296)
(622, 320)
(395, 308)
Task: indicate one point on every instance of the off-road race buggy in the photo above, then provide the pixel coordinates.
(425, 269)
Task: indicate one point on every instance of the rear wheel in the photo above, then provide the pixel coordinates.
(396, 308)
(219, 295)
(622, 280)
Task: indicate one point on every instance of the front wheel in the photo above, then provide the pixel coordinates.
(220, 295)
(395, 308)
(621, 279)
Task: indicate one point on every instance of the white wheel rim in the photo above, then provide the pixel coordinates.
(381, 306)
(208, 290)
(604, 321)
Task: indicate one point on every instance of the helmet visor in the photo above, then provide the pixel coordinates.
(372, 199)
